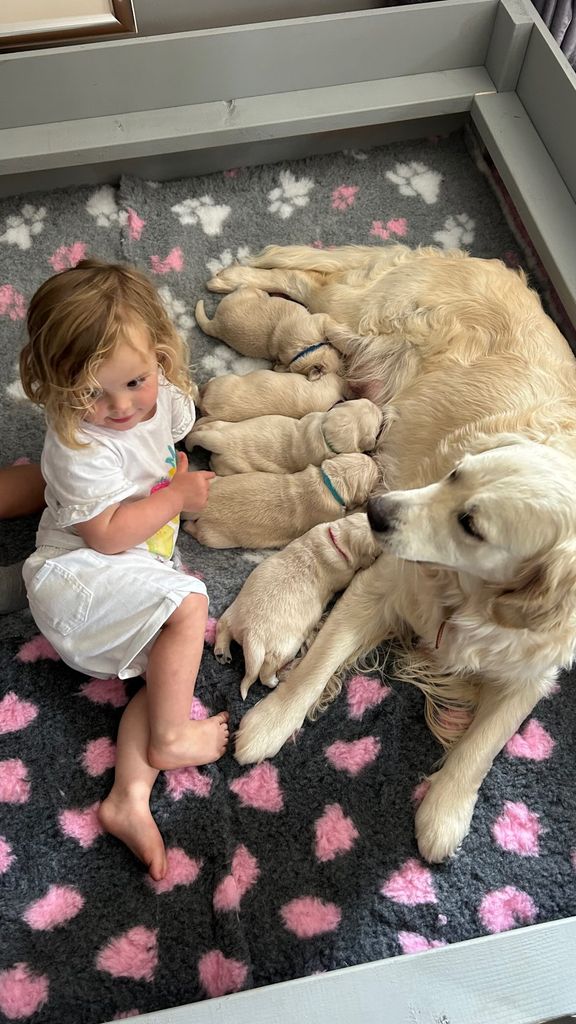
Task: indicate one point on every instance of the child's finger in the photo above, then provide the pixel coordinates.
(182, 463)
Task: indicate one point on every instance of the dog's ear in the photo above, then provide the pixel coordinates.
(544, 598)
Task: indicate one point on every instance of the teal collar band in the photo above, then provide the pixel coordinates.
(327, 481)
(307, 351)
(327, 443)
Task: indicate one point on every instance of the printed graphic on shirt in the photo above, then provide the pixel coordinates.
(164, 540)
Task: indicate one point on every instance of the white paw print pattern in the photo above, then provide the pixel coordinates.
(221, 359)
(203, 211)
(21, 227)
(102, 206)
(356, 154)
(177, 311)
(415, 179)
(457, 231)
(290, 194)
(255, 557)
(227, 258)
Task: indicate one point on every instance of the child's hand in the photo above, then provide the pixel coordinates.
(193, 487)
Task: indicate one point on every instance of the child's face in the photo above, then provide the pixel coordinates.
(128, 382)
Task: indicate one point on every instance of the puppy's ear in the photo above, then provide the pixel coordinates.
(544, 598)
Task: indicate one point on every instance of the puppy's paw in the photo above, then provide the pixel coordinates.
(263, 731)
(230, 279)
(443, 819)
(222, 655)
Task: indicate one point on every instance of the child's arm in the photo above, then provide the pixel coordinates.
(130, 523)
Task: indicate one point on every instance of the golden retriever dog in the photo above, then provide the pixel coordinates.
(284, 597)
(264, 393)
(477, 516)
(280, 444)
(268, 510)
(269, 327)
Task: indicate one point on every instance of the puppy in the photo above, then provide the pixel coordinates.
(283, 598)
(265, 393)
(266, 510)
(268, 327)
(279, 444)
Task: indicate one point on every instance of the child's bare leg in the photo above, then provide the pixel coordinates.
(125, 812)
(175, 741)
(21, 490)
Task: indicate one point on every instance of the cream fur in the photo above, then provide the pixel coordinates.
(473, 376)
(265, 393)
(281, 444)
(283, 598)
(268, 327)
(266, 510)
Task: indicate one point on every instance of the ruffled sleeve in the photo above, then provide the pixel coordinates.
(82, 483)
(183, 412)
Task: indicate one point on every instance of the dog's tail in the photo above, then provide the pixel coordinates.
(202, 320)
(306, 257)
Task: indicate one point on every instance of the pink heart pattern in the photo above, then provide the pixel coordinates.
(260, 788)
(335, 833)
(363, 693)
(36, 649)
(505, 908)
(532, 742)
(15, 714)
(181, 870)
(131, 955)
(309, 916)
(82, 825)
(60, 904)
(220, 975)
(105, 691)
(412, 942)
(14, 784)
(353, 756)
(187, 780)
(22, 991)
(243, 875)
(517, 830)
(411, 884)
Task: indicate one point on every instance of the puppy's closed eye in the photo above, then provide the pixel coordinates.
(466, 521)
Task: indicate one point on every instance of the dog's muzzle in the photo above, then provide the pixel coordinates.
(382, 513)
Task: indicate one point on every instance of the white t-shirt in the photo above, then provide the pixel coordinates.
(115, 466)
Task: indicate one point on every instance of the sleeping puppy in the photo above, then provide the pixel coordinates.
(268, 327)
(266, 510)
(265, 393)
(283, 598)
(280, 444)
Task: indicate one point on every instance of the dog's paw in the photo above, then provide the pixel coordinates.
(222, 655)
(443, 819)
(262, 731)
(230, 279)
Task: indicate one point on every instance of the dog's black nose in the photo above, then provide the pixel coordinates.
(381, 514)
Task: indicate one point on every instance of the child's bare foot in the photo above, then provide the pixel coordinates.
(129, 819)
(198, 743)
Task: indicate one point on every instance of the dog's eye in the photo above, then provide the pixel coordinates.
(453, 475)
(467, 523)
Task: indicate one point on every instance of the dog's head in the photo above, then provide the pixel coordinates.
(317, 362)
(506, 516)
(353, 426)
(353, 476)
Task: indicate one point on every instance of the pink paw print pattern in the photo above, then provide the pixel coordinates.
(174, 261)
(12, 303)
(135, 225)
(22, 991)
(397, 227)
(344, 197)
(517, 830)
(68, 256)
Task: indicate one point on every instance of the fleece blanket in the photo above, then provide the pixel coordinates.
(308, 862)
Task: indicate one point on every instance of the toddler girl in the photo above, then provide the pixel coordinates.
(108, 367)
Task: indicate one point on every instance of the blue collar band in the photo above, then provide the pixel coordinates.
(327, 481)
(306, 351)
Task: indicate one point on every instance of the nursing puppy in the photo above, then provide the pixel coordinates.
(267, 510)
(478, 525)
(283, 598)
(280, 444)
(265, 393)
(268, 327)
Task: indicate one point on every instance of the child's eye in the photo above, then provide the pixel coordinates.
(132, 384)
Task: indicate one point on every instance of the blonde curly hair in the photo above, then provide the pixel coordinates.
(75, 321)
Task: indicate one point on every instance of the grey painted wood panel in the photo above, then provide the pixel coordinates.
(519, 977)
(512, 29)
(547, 89)
(227, 64)
(209, 125)
(541, 197)
(155, 18)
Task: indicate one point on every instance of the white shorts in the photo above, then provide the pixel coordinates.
(102, 613)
